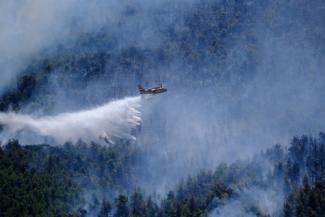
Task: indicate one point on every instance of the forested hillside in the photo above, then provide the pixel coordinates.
(243, 78)
(52, 181)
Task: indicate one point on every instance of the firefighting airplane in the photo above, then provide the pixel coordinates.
(153, 90)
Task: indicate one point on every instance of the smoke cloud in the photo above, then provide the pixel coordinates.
(26, 28)
(252, 106)
(267, 201)
(269, 86)
(116, 119)
(29, 28)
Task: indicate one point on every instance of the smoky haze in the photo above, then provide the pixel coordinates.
(248, 108)
(264, 87)
(30, 29)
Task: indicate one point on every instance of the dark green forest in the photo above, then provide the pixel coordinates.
(50, 181)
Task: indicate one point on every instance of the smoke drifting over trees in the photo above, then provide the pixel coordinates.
(241, 77)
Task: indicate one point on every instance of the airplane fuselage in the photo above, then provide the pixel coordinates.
(154, 90)
(149, 91)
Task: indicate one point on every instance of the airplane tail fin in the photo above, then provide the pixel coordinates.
(141, 89)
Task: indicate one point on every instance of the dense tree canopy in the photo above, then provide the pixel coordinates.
(51, 181)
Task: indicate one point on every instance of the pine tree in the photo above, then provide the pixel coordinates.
(122, 209)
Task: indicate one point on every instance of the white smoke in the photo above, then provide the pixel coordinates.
(267, 201)
(232, 209)
(116, 119)
(30, 27)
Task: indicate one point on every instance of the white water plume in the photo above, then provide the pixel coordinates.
(116, 119)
